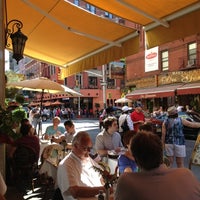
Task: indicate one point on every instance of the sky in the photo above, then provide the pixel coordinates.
(6, 60)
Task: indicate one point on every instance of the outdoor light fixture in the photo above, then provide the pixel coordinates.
(18, 38)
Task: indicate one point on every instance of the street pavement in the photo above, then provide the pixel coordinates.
(92, 127)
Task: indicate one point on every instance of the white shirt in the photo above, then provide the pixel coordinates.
(128, 119)
(74, 171)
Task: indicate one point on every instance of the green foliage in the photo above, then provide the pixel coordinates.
(11, 92)
(8, 119)
(18, 115)
(19, 98)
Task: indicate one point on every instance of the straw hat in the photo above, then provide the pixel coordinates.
(172, 110)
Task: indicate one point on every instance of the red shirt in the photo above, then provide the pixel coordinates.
(137, 116)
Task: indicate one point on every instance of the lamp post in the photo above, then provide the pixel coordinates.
(18, 38)
(104, 85)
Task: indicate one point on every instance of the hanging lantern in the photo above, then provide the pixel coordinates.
(18, 39)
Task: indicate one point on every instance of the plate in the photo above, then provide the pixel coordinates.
(44, 141)
(113, 154)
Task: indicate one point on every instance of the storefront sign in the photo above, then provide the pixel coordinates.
(151, 59)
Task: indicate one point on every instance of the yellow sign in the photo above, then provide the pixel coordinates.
(195, 158)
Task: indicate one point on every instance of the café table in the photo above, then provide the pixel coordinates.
(50, 156)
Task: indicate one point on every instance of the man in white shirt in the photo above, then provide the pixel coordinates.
(125, 117)
(76, 177)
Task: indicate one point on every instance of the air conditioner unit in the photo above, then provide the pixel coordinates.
(190, 63)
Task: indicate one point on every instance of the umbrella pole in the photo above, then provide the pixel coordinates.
(40, 122)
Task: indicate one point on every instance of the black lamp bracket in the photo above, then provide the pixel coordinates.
(9, 31)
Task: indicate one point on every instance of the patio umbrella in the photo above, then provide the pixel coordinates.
(56, 103)
(71, 92)
(40, 84)
(123, 100)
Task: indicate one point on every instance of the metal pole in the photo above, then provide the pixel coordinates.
(79, 98)
(104, 85)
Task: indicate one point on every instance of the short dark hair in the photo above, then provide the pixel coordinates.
(108, 122)
(68, 123)
(147, 150)
(24, 121)
(128, 136)
(25, 128)
(146, 127)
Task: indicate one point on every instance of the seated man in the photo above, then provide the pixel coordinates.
(109, 138)
(155, 180)
(54, 130)
(68, 134)
(76, 176)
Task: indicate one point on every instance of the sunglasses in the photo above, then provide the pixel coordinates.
(86, 148)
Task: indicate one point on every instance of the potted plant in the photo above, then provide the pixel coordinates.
(9, 121)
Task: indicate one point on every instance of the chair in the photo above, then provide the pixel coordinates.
(50, 159)
(57, 195)
(25, 167)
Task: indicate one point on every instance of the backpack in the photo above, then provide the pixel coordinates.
(124, 125)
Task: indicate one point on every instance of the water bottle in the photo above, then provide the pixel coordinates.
(100, 195)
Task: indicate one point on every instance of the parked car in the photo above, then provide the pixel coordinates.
(190, 133)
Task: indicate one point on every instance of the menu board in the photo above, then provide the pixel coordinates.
(195, 158)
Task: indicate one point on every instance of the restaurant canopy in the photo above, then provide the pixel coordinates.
(154, 92)
(189, 88)
(163, 21)
(65, 35)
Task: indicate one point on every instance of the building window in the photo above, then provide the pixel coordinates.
(76, 2)
(53, 70)
(110, 83)
(92, 82)
(65, 81)
(78, 80)
(91, 8)
(192, 53)
(165, 60)
(108, 15)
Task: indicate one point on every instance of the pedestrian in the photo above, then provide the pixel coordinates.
(155, 180)
(109, 138)
(125, 122)
(35, 117)
(137, 116)
(173, 138)
(76, 176)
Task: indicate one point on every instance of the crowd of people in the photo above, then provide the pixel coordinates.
(141, 165)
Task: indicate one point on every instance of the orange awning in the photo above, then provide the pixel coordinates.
(65, 35)
(189, 88)
(164, 21)
(154, 92)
